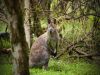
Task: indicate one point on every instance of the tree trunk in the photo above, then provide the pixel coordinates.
(36, 25)
(36, 28)
(48, 8)
(19, 45)
(27, 22)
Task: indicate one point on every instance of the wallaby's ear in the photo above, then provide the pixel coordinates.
(49, 21)
(54, 21)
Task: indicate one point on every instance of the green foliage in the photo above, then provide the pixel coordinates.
(73, 30)
(2, 27)
(5, 43)
(43, 23)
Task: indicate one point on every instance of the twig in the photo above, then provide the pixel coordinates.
(88, 55)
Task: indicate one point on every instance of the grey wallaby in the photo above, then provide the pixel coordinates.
(44, 46)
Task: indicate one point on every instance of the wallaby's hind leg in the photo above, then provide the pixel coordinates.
(45, 66)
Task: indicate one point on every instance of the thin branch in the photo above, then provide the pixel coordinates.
(75, 18)
(80, 52)
(88, 55)
(72, 45)
(4, 20)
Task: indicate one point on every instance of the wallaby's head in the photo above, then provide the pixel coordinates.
(52, 31)
(53, 37)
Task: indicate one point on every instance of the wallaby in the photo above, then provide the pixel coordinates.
(44, 46)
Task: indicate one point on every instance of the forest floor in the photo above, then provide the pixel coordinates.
(56, 67)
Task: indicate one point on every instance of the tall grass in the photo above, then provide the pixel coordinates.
(5, 43)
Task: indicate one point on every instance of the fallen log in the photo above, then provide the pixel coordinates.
(5, 51)
(88, 55)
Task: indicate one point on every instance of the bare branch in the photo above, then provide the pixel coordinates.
(80, 52)
(4, 20)
(72, 45)
(88, 55)
(75, 18)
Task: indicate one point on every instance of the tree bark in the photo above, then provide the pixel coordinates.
(48, 8)
(19, 45)
(36, 28)
(27, 22)
(36, 25)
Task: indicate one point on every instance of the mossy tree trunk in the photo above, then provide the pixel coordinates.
(19, 44)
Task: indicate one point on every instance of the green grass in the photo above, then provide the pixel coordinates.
(63, 68)
(5, 67)
(56, 67)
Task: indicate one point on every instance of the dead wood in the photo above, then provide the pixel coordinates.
(87, 55)
(80, 52)
(5, 51)
(72, 46)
